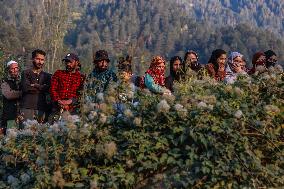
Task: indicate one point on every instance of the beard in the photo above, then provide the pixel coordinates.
(69, 68)
(194, 65)
(101, 68)
(177, 74)
(38, 65)
(14, 75)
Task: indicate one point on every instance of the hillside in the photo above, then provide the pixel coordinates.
(140, 27)
(266, 14)
(151, 27)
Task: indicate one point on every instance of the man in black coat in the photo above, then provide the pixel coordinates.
(11, 92)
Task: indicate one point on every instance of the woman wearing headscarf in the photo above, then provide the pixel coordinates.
(154, 78)
(235, 67)
(270, 58)
(216, 65)
(258, 59)
(175, 72)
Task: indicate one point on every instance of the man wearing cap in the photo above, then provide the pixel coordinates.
(35, 85)
(66, 85)
(101, 76)
(11, 92)
(271, 58)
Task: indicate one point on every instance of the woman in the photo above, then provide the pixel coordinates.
(236, 66)
(175, 72)
(125, 69)
(216, 65)
(126, 88)
(258, 59)
(154, 78)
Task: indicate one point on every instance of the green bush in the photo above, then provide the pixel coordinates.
(209, 135)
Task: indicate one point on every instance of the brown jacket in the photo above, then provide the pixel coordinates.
(218, 76)
(10, 89)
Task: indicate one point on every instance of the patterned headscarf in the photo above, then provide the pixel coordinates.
(234, 55)
(231, 58)
(255, 57)
(255, 64)
(157, 74)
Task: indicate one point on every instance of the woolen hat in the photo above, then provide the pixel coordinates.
(101, 55)
(11, 62)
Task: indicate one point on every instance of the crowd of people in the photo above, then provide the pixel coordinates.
(35, 94)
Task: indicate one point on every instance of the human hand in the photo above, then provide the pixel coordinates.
(167, 92)
(65, 102)
(35, 85)
(68, 102)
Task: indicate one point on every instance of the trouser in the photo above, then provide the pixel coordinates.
(30, 114)
(7, 124)
(3, 128)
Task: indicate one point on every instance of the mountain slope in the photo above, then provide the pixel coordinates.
(141, 27)
(266, 14)
(145, 28)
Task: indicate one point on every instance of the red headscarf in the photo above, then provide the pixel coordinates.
(255, 63)
(157, 74)
(255, 57)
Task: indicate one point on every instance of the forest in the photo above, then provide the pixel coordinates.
(142, 28)
(206, 134)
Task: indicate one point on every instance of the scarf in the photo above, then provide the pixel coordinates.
(232, 56)
(255, 63)
(157, 74)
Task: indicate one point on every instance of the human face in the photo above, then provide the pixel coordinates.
(161, 67)
(38, 61)
(71, 65)
(238, 65)
(260, 60)
(221, 62)
(272, 59)
(14, 70)
(125, 76)
(192, 58)
(102, 65)
(176, 66)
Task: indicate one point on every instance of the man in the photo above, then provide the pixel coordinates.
(101, 76)
(35, 85)
(191, 61)
(11, 92)
(66, 85)
(271, 58)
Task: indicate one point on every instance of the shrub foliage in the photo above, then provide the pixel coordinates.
(208, 135)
